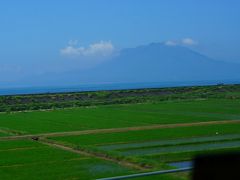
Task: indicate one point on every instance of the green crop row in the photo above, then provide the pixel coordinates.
(118, 116)
(150, 135)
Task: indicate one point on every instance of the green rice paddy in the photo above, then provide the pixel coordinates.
(28, 159)
(150, 135)
(182, 141)
(116, 116)
(2, 134)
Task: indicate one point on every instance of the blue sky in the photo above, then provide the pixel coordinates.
(34, 33)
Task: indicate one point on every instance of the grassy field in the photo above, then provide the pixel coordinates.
(25, 159)
(2, 134)
(28, 159)
(108, 140)
(116, 116)
(150, 135)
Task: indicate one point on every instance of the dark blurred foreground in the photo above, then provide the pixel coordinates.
(217, 167)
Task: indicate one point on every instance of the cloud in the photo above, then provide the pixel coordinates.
(171, 43)
(96, 50)
(182, 42)
(189, 42)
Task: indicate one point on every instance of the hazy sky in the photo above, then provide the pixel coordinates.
(49, 34)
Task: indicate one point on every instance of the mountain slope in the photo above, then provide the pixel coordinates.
(151, 63)
(158, 62)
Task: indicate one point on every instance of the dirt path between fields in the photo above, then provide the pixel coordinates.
(115, 130)
(95, 155)
(4, 131)
(10, 132)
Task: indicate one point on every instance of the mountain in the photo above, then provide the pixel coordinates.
(155, 62)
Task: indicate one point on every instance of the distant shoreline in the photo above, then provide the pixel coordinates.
(107, 87)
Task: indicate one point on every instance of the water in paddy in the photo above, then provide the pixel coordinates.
(169, 142)
(181, 148)
(181, 164)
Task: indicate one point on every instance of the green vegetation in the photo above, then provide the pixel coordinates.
(169, 142)
(11, 145)
(66, 100)
(2, 134)
(185, 156)
(151, 135)
(160, 126)
(25, 159)
(116, 116)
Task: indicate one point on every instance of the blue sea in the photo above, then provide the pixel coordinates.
(107, 86)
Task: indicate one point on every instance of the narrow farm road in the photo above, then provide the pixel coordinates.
(2, 131)
(115, 130)
(92, 154)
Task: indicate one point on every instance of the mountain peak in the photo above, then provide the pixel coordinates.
(155, 62)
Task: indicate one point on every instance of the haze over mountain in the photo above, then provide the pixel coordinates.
(66, 43)
(156, 62)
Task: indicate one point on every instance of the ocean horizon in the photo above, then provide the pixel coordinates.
(107, 86)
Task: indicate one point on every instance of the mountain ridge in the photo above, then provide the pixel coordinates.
(155, 62)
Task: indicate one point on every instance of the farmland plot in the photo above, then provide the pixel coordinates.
(152, 144)
(31, 160)
(103, 141)
(2, 134)
(180, 148)
(182, 141)
(151, 135)
(117, 116)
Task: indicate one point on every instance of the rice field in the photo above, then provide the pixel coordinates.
(2, 134)
(28, 159)
(150, 135)
(162, 143)
(179, 148)
(144, 146)
(117, 116)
